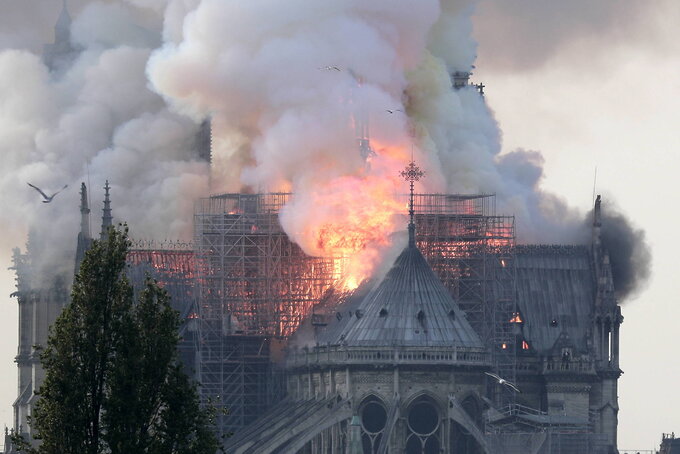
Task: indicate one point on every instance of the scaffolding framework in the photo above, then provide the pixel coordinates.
(252, 277)
(472, 251)
(250, 382)
(256, 283)
(174, 268)
(537, 432)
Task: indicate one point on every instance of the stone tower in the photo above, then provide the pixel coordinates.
(41, 295)
(59, 55)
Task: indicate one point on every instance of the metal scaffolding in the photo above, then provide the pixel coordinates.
(519, 429)
(254, 281)
(254, 284)
(173, 266)
(472, 251)
(252, 278)
(250, 381)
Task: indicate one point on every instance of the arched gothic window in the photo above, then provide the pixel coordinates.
(373, 420)
(424, 423)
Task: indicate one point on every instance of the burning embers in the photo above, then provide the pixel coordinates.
(516, 317)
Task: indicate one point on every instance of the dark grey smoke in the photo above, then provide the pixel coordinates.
(629, 252)
(549, 219)
(522, 35)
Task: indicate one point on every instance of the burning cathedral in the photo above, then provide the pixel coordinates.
(470, 343)
(467, 342)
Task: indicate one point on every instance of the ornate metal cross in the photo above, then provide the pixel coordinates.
(411, 173)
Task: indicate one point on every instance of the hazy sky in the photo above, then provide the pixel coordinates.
(597, 84)
(588, 84)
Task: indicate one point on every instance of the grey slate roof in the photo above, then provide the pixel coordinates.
(555, 294)
(410, 307)
(288, 424)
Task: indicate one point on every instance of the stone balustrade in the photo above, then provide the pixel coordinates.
(325, 355)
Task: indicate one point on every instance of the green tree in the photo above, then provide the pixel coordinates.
(113, 383)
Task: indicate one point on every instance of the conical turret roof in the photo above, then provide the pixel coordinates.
(410, 307)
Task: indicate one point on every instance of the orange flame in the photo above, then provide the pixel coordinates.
(350, 220)
(516, 318)
(366, 215)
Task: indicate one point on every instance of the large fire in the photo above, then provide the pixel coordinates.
(354, 217)
(351, 218)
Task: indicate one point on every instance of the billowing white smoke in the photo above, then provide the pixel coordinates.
(92, 121)
(282, 82)
(257, 68)
(265, 71)
(285, 84)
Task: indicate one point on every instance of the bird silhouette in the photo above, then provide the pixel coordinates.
(391, 111)
(330, 68)
(504, 382)
(48, 198)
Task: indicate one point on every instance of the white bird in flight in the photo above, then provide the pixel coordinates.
(331, 68)
(502, 381)
(48, 198)
(394, 110)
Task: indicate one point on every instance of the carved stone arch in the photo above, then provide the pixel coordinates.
(368, 394)
(373, 413)
(441, 407)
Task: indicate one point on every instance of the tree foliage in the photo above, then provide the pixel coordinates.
(113, 383)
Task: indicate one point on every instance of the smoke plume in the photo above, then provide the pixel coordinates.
(93, 118)
(522, 36)
(291, 88)
(629, 253)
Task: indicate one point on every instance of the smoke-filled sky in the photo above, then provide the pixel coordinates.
(570, 86)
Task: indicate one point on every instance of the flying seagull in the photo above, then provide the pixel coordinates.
(391, 111)
(331, 68)
(502, 381)
(48, 198)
